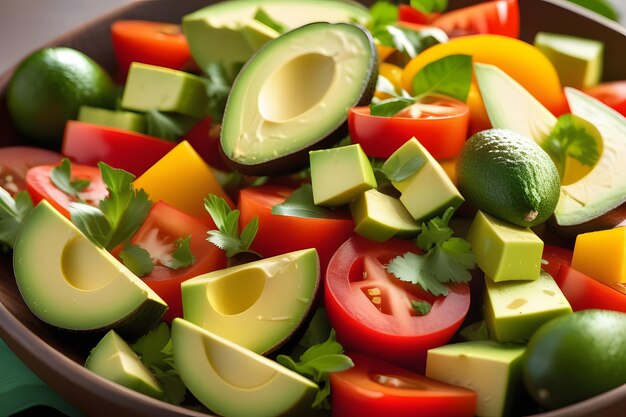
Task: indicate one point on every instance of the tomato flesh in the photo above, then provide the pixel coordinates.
(498, 17)
(584, 292)
(15, 161)
(613, 94)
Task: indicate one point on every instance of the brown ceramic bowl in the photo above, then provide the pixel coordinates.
(57, 357)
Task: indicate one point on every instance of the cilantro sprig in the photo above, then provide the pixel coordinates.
(118, 215)
(140, 262)
(446, 259)
(168, 126)
(300, 204)
(12, 214)
(227, 236)
(61, 177)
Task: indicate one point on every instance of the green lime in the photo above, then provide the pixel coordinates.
(48, 88)
(575, 357)
(508, 176)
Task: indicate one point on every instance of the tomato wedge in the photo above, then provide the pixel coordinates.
(584, 292)
(613, 94)
(498, 17)
(15, 161)
(438, 122)
(279, 234)
(371, 310)
(409, 14)
(88, 144)
(374, 388)
(157, 235)
(40, 187)
(553, 257)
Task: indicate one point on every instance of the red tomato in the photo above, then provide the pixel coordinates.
(371, 310)
(498, 17)
(410, 14)
(553, 257)
(204, 137)
(440, 125)
(613, 94)
(156, 43)
(88, 143)
(157, 235)
(281, 234)
(15, 161)
(373, 388)
(584, 292)
(40, 186)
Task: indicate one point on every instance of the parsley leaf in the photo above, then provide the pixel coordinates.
(168, 126)
(118, 216)
(137, 259)
(227, 236)
(155, 351)
(429, 6)
(421, 307)
(300, 204)
(182, 257)
(410, 268)
(12, 214)
(316, 363)
(409, 43)
(382, 13)
(450, 76)
(572, 137)
(61, 177)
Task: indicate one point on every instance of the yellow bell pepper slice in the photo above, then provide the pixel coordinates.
(602, 255)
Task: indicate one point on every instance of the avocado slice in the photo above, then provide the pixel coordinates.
(69, 282)
(293, 96)
(119, 119)
(234, 381)
(257, 305)
(114, 360)
(229, 33)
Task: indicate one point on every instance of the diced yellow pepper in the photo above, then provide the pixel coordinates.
(182, 179)
(602, 255)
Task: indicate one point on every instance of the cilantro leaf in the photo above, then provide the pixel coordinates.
(182, 257)
(217, 88)
(572, 137)
(390, 106)
(262, 16)
(450, 261)
(300, 204)
(410, 268)
(450, 76)
(382, 13)
(167, 126)
(435, 231)
(421, 307)
(137, 259)
(429, 6)
(12, 214)
(61, 177)
(316, 363)
(409, 43)
(227, 236)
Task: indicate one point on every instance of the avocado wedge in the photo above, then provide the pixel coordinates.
(294, 94)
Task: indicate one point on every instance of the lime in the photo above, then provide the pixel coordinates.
(48, 88)
(575, 357)
(508, 176)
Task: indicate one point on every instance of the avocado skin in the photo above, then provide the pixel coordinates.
(610, 219)
(296, 161)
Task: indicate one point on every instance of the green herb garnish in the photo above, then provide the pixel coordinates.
(12, 214)
(61, 177)
(217, 87)
(167, 126)
(300, 204)
(182, 257)
(429, 6)
(382, 13)
(137, 259)
(421, 307)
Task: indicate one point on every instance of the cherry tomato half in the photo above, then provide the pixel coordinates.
(613, 94)
(373, 388)
(40, 187)
(371, 310)
(15, 161)
(497, 17)
(438, 122)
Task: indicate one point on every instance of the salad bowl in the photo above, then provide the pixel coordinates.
(57, 357)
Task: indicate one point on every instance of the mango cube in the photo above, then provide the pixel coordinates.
(602, 255)
(515, 309)
(504, 251)
(339, 175)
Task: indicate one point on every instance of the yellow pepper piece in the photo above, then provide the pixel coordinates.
(394, 74)
(519, 59)
(182, 179)
(602, 255)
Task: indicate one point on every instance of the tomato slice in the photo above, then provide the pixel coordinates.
(374, 388)
(40, 187)
(371, 310)
(157, 235)
(204, 137)
(584, 292)
(498, 17)
(156, 43)
(613, 94)
(15, 161)
(409, 14)
(282, 234)
(438, 122)
(553, 257)
(88, 144)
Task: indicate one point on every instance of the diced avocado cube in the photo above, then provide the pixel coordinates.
(490, 368)
(515, 309)
(504, 251)
(429, 191)
(126, 120)
(602, 255)
(578, 61)
(379, 217)
(150, 87)
(339, 175)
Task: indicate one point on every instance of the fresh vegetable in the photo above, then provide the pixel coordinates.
(496, 17)
(613, 94)
(15, 161)
(585, 293)
(13, 210)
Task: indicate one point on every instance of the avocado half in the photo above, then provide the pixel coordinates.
(293, 96)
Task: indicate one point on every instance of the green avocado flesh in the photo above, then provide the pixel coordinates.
(70, 283)
(294, 96)
(234, 381)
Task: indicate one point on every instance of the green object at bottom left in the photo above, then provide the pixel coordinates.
(21, 389)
